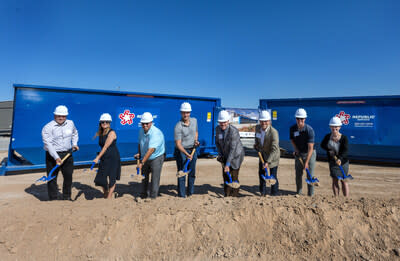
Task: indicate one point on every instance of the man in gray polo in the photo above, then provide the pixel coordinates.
(186, 139)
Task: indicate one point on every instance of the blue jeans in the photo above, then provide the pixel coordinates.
(180, 164)
(273, 172)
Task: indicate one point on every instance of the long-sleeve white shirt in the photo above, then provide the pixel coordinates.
(58, 137)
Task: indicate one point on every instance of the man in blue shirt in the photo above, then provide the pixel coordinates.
(151, 152)
(302, 137)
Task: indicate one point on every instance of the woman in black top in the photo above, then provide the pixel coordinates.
(110, 162)
(336, 145)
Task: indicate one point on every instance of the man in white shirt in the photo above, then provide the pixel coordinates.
(59, 138)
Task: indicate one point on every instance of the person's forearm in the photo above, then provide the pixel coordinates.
(310, 152)
(294, 146)
(178, 144)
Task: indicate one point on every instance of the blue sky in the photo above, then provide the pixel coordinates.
(240, 51)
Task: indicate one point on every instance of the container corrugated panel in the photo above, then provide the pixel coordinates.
(6, 108)
(34, 105)
(370, 123)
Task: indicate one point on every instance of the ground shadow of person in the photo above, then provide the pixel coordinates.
(256, 191)
(172, 190)
(38, 191)
(207, 188)
(89, 192)
(132, 188)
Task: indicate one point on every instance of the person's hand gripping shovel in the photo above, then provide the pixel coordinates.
(230, 183)
(345, 177)
(51, 176)
(269, 179)
(138, 176)
(91, 169)
(313, 181)
(185, 170)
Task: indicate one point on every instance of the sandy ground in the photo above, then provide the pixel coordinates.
(205, 226)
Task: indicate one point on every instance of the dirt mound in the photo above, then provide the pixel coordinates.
(203, 228)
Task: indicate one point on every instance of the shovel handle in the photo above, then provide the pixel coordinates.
(137, 166)
(261, 157)
(193, 151)
(65, 158)
(307, 170)
(229, 176)
(91, 167)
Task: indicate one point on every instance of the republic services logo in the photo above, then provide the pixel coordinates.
(344, 118)
(126, 117)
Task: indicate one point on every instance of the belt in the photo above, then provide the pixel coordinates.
(66, 151)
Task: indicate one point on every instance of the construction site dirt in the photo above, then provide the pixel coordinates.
(207, 225)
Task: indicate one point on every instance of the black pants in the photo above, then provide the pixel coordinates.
(229, 191)
(67, 169)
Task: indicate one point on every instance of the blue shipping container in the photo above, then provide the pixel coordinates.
(34, 106)
(369, 123)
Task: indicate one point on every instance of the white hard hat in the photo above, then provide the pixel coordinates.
(335, 121)
(264, 116)
(105, 117)
(186, 107)
(146, 117)
(61, 110)
(301, 113)
(223, 116)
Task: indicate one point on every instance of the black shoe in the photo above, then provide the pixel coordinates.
(143, 195)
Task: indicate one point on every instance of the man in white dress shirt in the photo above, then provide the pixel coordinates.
(60, 137)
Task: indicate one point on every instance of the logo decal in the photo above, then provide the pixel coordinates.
(126, 117)
(344, 118)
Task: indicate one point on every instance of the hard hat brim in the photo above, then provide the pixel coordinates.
(60, 114)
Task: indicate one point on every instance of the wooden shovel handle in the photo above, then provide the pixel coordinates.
(301, 161)
(261, 157)
(65, 158)
(336, 159)
(193, 151)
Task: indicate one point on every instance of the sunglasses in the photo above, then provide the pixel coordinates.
(300, 119)
(102, 122)
(146, 123)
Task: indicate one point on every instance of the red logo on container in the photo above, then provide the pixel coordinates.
(126, 117)
(344, 118)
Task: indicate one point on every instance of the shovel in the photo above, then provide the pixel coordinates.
(269, 179)
(185, 171)
(345, 177)
(230, 183)
(50, 176)
(310, 179)
(91, 167)
(137, 170)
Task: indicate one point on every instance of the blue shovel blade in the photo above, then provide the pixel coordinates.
(312, 181)
(44, 178)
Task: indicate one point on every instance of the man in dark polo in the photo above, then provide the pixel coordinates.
(302, 138)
